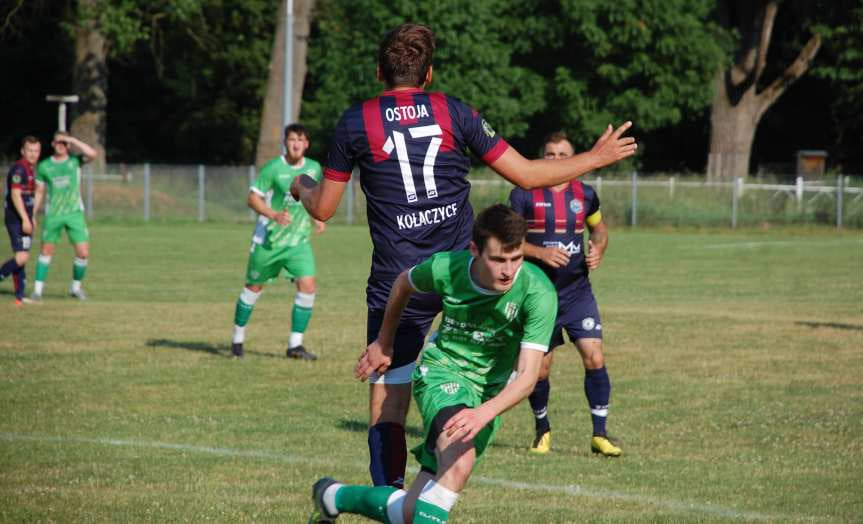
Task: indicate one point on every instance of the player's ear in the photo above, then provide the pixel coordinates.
(428, 79)
(473, 249)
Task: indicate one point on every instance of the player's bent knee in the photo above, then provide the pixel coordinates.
(21, 257)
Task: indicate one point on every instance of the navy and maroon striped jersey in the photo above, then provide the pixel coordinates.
(411, 147)
(20, 176)
(558, 219)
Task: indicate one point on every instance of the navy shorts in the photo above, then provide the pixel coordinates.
(19, 241)
(578, 314)
(412, 330)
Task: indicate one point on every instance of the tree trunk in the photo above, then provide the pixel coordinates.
(91, 85)
(270, 138)
(737, 104)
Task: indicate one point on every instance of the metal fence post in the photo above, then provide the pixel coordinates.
(147, 192)
(88, 172)
(201, 180)
(251, 183)
(671, 180)
(735, 195)
(840, 193)
(633, 220)
(598, 184)
(798, 192)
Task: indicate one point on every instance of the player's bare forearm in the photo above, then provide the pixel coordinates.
(320, 200)
(599, 238)
(257, 204)
(551, 256)
(86, 149)
(18, 203)
(400, 294)
(611, 147)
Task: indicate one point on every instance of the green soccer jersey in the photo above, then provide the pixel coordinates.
(62, 185)
(275, 182)
(482, 330)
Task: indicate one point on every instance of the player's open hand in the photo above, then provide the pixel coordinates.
(612, 147)
(283, 217)
(467, 423)
(554, 256)
(593, 257)
(375, 359)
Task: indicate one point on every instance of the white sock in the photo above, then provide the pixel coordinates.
(296, 339)
(37, 287)
(395, 507)
(329, 498)
(239, 334)
(438, 495)
(76, 286)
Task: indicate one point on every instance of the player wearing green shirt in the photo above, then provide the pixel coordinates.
(59, 178)
(281, 241)
(497, 311)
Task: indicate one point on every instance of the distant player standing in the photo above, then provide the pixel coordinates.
(281, 241)
(496, 311)
(557, 217)
(19, 218)
(411, 149)
(59, 176)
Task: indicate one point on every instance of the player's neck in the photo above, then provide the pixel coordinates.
(58, 158)
(560, 187)
(390, 89)
(295, 163)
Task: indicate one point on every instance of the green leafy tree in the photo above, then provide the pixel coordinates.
(473, 60)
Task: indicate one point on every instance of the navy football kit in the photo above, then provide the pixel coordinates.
(558, 219)
(411, 148)
(21, 177)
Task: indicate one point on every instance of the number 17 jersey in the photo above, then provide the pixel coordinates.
(411, 148)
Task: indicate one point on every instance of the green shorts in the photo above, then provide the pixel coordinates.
(266, 263)
(73, 223)
(435, 388)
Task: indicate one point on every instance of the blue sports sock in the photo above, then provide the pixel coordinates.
(539, 404)
(8, 267)
(597, 388)
(388, 454)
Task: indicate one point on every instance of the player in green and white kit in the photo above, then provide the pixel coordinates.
(496, 310)
(60, 177)
(281, 241)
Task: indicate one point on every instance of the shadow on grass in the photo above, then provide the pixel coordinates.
(219, 350)
(832, 325)
(361, 426)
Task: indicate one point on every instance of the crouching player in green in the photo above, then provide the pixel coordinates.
(281, 241)
(496, 310)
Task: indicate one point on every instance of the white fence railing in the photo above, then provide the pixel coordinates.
(170, 192)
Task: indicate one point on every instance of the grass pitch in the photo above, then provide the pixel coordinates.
(736, 360)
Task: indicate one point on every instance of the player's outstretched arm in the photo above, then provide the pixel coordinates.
(378, 355)
(320, 200)
(468, 422)
(611, 147)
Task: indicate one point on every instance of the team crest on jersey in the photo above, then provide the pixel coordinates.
(450, 388)
(486, 127)
(576, 205)
(511, 310)
(16, 178)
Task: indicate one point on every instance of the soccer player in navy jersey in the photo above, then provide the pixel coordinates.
(557, 217)
(411, 149)
(19, 219)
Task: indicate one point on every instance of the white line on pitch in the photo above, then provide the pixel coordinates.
(571, 489)
(764, 243)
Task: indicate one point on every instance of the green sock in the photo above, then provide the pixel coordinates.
(42, 270)
(79, 269)
(300, 317)
(242, 313)
(427, 512)
(368, 501)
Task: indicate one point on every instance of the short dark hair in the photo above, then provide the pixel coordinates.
(297, 128)
(502, 223)
(556, 137)
(405, 55)
(30, 139)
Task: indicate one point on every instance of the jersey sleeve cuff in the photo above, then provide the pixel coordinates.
(337, 176)
(411, 281)
(254, 189)
(535, 347)
(495, 152)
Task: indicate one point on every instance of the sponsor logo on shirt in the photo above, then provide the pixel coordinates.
(61, 181)
(573, 247)
(435, 215)
(487, 129)
(450, 388)
(542, 204)
(394, 114)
